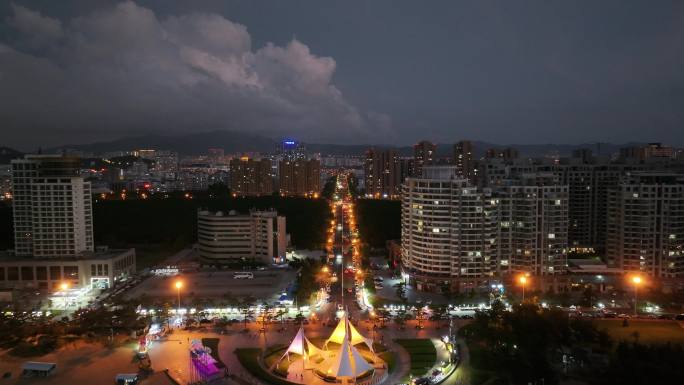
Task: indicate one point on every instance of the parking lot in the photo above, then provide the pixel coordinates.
(266, 285)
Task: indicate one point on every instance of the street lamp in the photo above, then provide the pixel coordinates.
(64, 286)
(636, 280)
(523, 281)
(179, 285)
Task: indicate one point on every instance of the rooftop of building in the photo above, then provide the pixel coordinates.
(234, 213)
(591, 266)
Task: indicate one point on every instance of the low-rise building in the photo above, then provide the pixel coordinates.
(101, 270)
(232, 238)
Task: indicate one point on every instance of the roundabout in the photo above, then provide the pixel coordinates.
(346, 357)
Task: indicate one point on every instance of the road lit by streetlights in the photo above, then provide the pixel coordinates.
(523, 282)
(64, 286)
(179, 285)
(636, 280)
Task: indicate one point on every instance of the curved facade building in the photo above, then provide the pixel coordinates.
(449, 231)
(229, 238)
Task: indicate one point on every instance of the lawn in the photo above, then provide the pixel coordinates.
(422, 353)
(273, 354)
(649, 331)
(249, 359)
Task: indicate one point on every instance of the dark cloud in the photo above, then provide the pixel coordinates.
(392, 71)
(123, 69)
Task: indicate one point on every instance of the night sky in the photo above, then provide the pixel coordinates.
(382, 71)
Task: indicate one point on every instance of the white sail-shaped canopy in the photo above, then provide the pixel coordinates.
(346, 329)
(298, 344)
(348, 362)
(302, 346)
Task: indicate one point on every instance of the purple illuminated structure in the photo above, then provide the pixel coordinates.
(203, 365)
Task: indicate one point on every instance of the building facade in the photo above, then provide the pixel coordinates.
(225, 238)
(299, 177)
(533, 228)
(53, 214)
(646, 225)
(251, 177)
(448, 232)
(464, 160)
(423, 155)
(102, 269)
(382, 170)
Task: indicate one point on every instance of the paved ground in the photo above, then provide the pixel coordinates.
(389, 291)
(76, 361)
(266, 285)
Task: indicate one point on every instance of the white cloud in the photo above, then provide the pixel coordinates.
(124, 70)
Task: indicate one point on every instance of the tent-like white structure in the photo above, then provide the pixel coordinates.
(302, 346)
(348, 362)
(343, 330)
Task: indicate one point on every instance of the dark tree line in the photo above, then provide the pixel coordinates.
(6, 227)
(174, 219)
(527, 345)
(379, 221)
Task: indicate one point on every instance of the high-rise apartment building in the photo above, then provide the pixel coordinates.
(646, 225)
(507, 153)
(457, 234)
(423, 155)
(251, 177)
(230, 237)
(382, 173)
(53, 214)
(299, 177)
(290, 149)
(449, 231)
(651, 150)
(588, 180)
(464, 160)
(164, 160)
(533, 226)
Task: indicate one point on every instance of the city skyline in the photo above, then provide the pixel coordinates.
(330, 192)
(535, 73)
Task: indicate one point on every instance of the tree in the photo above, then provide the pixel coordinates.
(265, 315)
(401, 291)
(439, 312)
(420, 316)
(280, 314)
(400, 319)
(245, 304)
(588, 296)
(382, 314)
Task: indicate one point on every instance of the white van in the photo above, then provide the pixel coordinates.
(243, 275)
